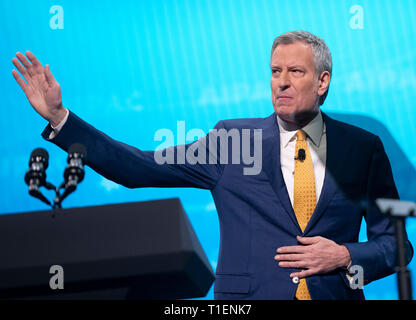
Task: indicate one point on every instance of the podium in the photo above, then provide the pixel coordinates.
(138, 250)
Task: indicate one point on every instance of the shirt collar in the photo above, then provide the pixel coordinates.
(314, 130)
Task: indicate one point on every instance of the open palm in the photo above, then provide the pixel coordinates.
(41, 89)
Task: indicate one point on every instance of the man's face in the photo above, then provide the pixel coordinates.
(295, 85)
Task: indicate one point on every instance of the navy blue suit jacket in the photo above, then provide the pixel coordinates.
(255, 213)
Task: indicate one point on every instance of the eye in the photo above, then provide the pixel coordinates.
(297, 72)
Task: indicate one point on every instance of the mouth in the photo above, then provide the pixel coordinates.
(283, 98)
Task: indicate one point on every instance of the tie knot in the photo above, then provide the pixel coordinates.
(301, 135)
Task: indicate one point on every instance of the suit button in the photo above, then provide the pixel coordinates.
(295, 280)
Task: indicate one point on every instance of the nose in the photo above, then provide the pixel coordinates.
(284, 82)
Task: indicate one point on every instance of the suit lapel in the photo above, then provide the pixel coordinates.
(272, 167)
(334, 150)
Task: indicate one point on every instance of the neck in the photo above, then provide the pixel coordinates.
(298, 121)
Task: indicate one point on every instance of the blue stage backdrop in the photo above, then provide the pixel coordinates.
(131, 68)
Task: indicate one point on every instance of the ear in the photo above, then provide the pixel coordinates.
(323, 82)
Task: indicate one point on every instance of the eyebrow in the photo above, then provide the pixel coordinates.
(290, 67)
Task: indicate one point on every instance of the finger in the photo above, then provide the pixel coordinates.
(308, 240)
(23, 60)
(20, 81)
(293, 264)
(21, 69)
(291, 249)
(49, 76)
(33, 59)
(304, 273)
(289, 257)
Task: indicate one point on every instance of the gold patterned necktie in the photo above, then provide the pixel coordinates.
(304, 197)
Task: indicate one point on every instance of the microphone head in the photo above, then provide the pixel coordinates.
(39, 154)
(76, 158)
(301, 155)
(38, 163)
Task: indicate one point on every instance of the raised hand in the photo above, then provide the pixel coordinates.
(41, 89)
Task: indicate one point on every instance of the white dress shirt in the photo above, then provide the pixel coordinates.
(316, 141)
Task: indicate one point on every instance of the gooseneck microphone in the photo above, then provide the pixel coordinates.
(301, 155)
(74, 172)
(35, 177)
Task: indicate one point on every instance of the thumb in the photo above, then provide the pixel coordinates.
(49, 77)
(307, 240)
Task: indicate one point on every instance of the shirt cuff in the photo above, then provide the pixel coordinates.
(349, 274)
(55, 130)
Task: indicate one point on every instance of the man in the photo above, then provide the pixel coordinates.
(291, 231)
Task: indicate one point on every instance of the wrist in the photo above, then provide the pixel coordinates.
(58, 117)
(344, 256)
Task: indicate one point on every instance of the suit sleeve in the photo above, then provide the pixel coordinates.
(134, 168)
(378, 255)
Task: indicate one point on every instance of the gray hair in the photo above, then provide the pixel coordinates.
(321, 54)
